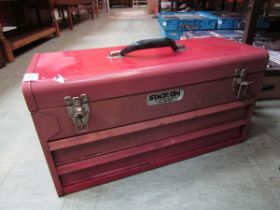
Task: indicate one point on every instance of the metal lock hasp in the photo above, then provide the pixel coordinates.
(78, 110)
(240, 84)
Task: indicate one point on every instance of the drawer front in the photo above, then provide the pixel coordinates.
(112, 144)
(115, 169)
(92, 159)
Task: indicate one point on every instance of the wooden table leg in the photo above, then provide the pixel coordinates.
(96, 7)
(69, 16)
(54, 23)
(234, 4)
(268, 7)
(92, 11)
(105, 5)
(2, 57)
(254, 9)
(63, 15)
(223, 5)
(8, 51)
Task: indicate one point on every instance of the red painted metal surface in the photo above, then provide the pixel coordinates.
(125, 135)
(64, 73)
(52, 123)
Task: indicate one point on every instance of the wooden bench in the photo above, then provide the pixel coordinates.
(32, 20)
(72, 6)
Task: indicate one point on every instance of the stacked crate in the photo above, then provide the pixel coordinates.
(174, 24)
(232, 20)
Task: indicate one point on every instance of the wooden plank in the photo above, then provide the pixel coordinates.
(30, 36)
(254, 9)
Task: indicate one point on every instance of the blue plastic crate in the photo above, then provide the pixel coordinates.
(186, 21)
(262, 23)
(171, 34)
(226, 20)
(231, 20)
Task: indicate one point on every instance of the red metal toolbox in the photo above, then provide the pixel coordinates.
(102, 115)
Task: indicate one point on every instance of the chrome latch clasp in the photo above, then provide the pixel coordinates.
(240, 84)
(78, 110)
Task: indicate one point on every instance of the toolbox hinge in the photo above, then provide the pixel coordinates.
(78, 110)
(240, 84)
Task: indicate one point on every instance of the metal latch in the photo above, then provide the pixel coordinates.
(78, 111)
(240, 85)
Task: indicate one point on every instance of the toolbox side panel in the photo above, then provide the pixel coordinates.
(52, 124)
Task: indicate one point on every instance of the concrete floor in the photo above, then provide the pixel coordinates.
(245, 176)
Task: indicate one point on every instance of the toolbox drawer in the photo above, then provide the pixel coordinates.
(160, 129)
(150, 159)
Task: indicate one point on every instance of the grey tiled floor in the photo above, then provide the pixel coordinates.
(245, 176)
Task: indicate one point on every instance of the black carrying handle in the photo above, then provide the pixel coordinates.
(148, 44)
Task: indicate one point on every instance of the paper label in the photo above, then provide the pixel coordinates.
(30, 77)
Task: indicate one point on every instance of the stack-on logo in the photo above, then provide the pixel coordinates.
(163, 97)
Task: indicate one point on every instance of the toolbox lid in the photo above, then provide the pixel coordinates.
(53, 76)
